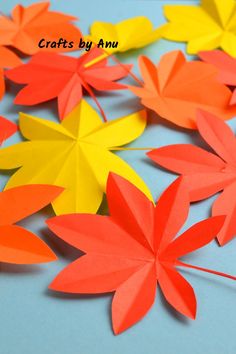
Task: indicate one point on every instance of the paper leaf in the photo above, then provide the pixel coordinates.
(132, 33)
(226, 204)
(18, 245)
(7, 129)
(208, 26)
(7, 60)
(226, 66)
(28, 25)
(177, 291)
(118, 260)
(75, 154)
(205, 173)
(49, 75)
(175, 89)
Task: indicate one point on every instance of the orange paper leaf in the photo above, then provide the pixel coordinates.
(7, 60)
(18, 245)
(28, 25)
(175, 89)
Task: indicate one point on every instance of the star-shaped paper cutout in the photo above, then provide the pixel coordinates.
(133, 250)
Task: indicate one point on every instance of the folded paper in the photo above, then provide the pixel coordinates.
(206, 173)
(7, 129)
(175, 89)
(133, 250)
(28, 25)
(50, 75)
(75, 154)
(226, 66)
(8, 59)
(131, 33)
(18, 245)
(208, 26)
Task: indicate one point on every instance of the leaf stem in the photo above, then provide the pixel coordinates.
(181, 264)
(133, 149)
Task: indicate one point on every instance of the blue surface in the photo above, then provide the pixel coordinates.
(34, 320)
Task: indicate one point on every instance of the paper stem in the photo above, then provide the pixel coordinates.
(95, 100)
(181, 264)
(133, 149)
(96, 60)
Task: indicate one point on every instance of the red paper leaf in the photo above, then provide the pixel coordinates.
(205, 173)
(175, 89)
(132, 250)
(226, 203)
(18, 245)
(49, 76)
(177, 291)
(7, 129)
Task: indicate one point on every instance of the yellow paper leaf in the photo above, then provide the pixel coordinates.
(135, 32)
(208, 26)
(74, 154)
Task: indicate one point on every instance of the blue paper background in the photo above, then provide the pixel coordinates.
(34, 320)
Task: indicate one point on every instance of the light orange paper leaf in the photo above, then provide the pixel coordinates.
(175, 89)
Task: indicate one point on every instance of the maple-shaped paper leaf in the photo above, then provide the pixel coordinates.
(206, 173)
(50, 75)
(75, 154)
(132, 33)
(226, 66)
(175, 89)
(18, 245)
(7, 60)
(133, 250)
(208, 26)
(7, 129)
(28, 25)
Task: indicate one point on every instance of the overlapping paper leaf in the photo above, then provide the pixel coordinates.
(7, 129)
(226, 66)
(18, 245)
(74, 154)
(175, 89)
(206, 173)
(133, 250)
(8, 59)
(50, 75)
(207, 26)
(131, 33)
(28, 25)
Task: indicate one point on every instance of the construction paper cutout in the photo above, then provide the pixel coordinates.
(226, 66)
(50, 75)
(18, 245)
(75, 154)
(175, 89)
(133, 250)
(8, 59)
(132, 33)
(208, 26)
(28, 25)
(206, 173)
(7, 129)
